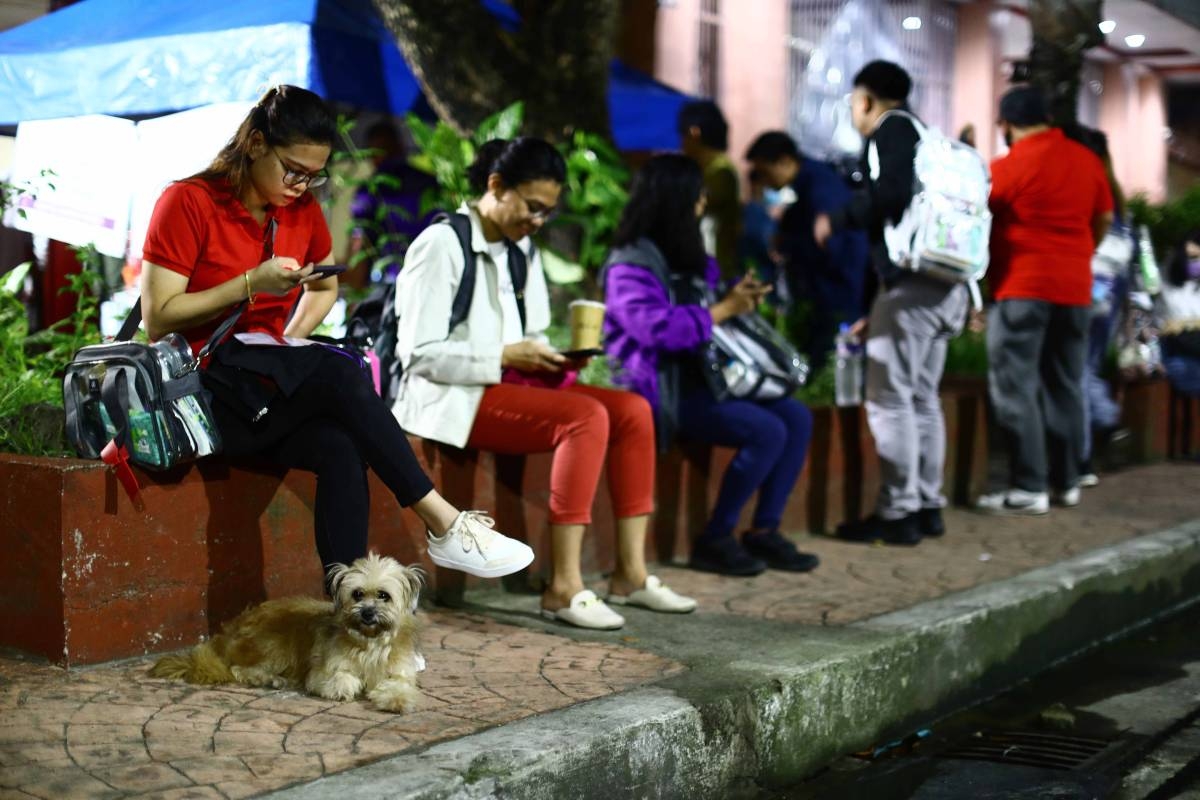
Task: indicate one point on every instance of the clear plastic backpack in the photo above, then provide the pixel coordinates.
(945, 230)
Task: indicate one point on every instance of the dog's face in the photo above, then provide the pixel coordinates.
(374, 594)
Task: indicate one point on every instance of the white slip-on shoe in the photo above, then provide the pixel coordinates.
(471, 545)
(1014, 502)
(587, 611)
(656, 596)
(1067, 498)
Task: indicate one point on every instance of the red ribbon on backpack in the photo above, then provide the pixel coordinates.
(117, 457)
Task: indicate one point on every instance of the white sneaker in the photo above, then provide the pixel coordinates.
(1068, 498)
(1014, 502)
(656, 596)
(587, 611)
(472, 546)
(1088, 479)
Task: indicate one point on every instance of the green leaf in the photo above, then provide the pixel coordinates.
(559, 270)
(15, 279)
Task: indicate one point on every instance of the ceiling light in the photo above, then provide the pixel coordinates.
(1135, 40)
(1108, 26)
(911, 24)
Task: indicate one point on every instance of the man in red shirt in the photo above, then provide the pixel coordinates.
(1051, 204)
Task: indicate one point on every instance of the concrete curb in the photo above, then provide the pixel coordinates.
(770, 703)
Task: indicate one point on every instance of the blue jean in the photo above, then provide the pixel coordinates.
(1183, 372)
(772, 440)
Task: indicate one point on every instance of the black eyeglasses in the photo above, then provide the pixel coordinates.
(295, 177)
(536, 209)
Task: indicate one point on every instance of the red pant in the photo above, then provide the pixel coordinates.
(580, 424)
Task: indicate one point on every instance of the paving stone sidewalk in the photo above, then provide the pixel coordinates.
(110, 731)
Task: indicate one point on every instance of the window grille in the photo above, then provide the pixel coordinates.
(709, 60)
(830, 40)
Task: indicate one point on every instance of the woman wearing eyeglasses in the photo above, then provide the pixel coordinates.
(493, 383)
(246, 233)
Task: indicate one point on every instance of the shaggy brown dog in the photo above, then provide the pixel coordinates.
(363, 643)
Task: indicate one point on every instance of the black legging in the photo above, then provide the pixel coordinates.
(335, 425)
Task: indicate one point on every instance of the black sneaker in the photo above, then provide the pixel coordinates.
(902, 531)
(930, 522)
(779, 553)
(724, 555)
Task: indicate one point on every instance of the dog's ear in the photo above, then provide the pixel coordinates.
(335, 576)
(414, 580)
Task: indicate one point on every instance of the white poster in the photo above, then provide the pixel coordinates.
(173, 147)
(79, 174)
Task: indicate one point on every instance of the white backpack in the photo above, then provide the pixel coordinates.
(944, 231)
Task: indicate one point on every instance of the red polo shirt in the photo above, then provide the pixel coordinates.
(1045, 193)
(201, 230)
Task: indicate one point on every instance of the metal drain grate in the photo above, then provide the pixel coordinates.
(1046, 750)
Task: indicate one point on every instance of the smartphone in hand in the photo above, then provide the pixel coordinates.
(325, 270)
(586, 352)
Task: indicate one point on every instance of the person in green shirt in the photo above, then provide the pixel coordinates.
(704, 137)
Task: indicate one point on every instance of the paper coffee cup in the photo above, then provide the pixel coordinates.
(587, 321)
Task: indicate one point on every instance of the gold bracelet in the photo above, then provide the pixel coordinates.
(249, 293)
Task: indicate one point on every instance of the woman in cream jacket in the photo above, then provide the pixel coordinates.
(493, 383)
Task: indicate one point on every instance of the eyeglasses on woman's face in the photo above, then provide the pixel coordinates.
(536, 209)
(295, 177)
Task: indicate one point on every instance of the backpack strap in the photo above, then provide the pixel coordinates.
(518, 269)
(873, 149)
(461, 306)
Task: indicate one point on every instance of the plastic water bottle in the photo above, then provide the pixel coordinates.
(1151, 278)
(848, 371)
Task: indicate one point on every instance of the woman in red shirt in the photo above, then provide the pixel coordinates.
(247, 231)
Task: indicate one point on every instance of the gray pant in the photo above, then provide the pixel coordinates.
(911, 324)
(1036, 353)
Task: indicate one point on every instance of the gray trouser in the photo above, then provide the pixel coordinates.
(1036, 353)
(910, 326)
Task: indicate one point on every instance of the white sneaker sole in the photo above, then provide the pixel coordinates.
(1012, 511)
(482, 572)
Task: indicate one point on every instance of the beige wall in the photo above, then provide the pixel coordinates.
(753, 71)
(1133, 114)
(677, 34)
(753, 63)
(753, 80)
(977, 79)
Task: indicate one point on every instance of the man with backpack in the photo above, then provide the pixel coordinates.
(913, 316)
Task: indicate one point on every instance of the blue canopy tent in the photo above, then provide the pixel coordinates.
(133, 58)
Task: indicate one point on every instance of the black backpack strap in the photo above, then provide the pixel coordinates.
(130, 326)
(461, 224)
(518, 269)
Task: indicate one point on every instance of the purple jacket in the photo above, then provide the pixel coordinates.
(641, 322)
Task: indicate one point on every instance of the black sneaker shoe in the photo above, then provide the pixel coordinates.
(724, 555)
(902, 531)
(779, 553)
(930, 522)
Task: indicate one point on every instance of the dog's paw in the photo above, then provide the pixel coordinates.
(339, 686)
(397, 696)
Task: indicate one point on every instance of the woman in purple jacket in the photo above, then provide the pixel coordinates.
(656, 325)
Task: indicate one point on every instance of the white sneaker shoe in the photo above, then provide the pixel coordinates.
(587, 611)
(656, 596)
(1088, 479)
(1014, 502)
(1068, 498)
(472, 546)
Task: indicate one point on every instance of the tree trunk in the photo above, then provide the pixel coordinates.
(469, 67)
(1063, 30)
